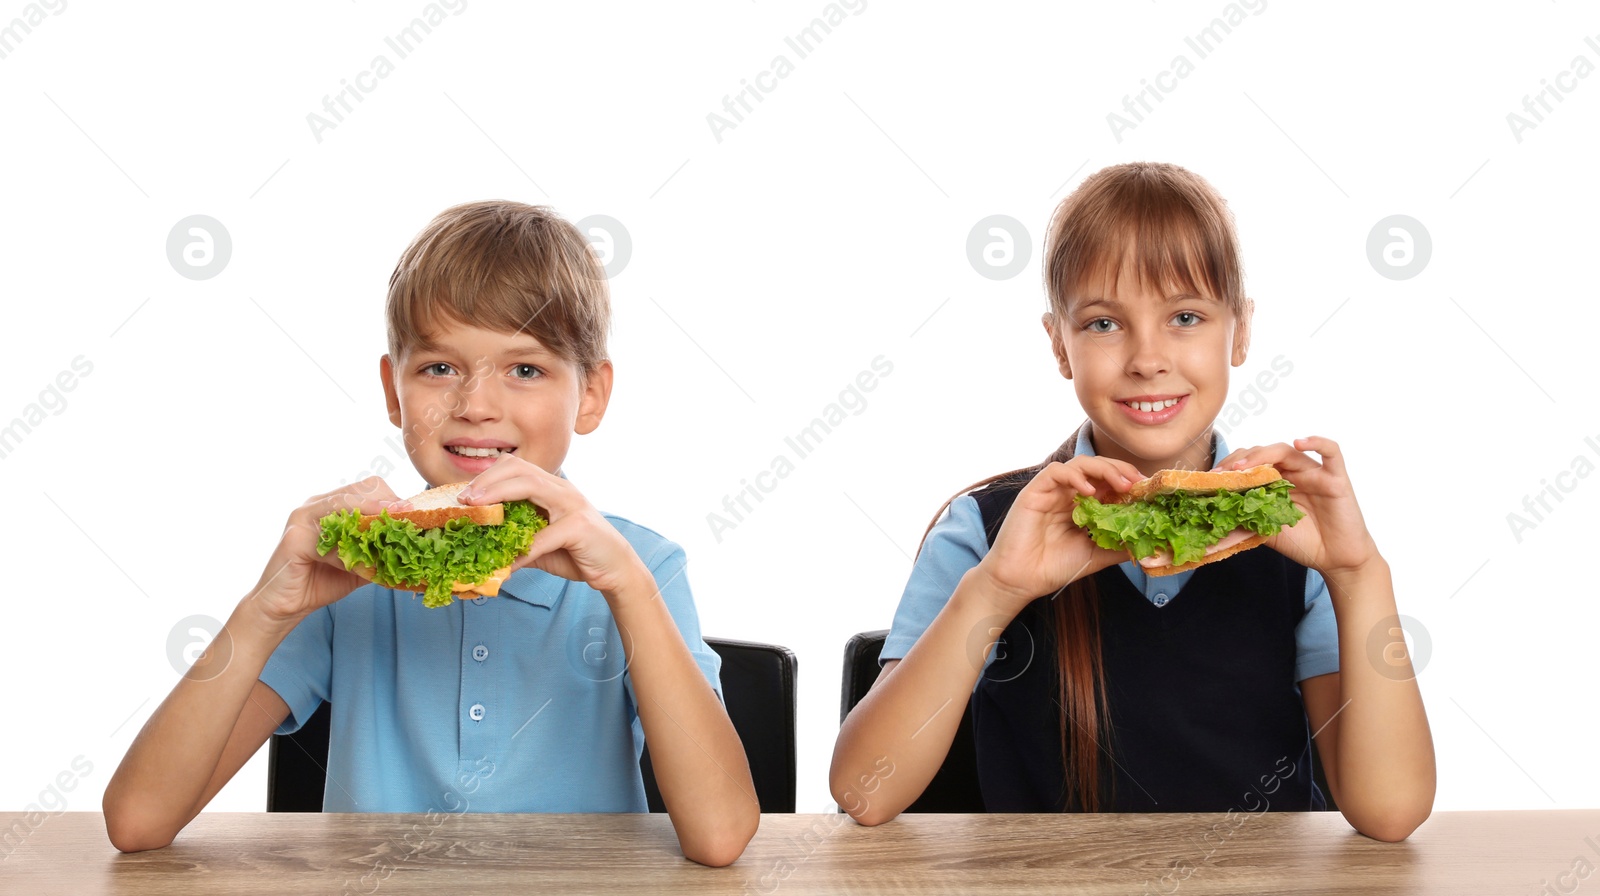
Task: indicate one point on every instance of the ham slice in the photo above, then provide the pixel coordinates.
(1163, 558)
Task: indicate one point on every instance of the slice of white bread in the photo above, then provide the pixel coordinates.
(437, 506)
(1165, 482)
(431, 510)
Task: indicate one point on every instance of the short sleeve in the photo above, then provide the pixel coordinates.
(955, 544)
(301, 669)
(1316, 638)
(668, 563)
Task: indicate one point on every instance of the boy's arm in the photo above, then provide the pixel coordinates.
(698, 759)
(219, 713)
(214, 720)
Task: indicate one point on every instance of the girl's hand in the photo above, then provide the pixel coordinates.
(579, 544)
(297, 579)
(1039, 550)
(1333, 536)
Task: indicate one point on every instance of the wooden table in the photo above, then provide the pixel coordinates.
(635, 855)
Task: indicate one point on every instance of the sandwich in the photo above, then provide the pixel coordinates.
(1181, 519)
(440, 547)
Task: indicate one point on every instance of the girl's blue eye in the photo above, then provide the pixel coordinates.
(1099, 320)
(1188, 314)
(533, 372)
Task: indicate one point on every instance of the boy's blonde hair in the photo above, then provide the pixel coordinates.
(502, 266)
(1162, 222)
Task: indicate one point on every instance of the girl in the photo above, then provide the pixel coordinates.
(1111, 690)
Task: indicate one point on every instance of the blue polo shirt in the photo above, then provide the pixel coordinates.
(957, 543)
(516, 703)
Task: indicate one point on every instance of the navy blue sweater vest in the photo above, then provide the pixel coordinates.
(1205, 714)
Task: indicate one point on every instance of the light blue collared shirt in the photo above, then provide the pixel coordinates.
(516, 703)
(957, 542)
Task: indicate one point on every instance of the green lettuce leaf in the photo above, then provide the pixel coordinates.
(434, 559)
(1185, 523)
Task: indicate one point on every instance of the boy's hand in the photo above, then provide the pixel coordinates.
(579, 544)
(1039, 549)
(297, 580)
(1333, 537)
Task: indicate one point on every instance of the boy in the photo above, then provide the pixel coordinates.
(532, 701)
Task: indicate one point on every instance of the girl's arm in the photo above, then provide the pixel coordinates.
(1377, 750)
(1368, 717)
(896, 738)
(894, 741)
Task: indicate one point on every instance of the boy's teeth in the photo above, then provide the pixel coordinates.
(464, 451)
(1151, 405)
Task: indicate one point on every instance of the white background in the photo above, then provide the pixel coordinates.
(768, 269)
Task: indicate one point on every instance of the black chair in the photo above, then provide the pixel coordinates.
(954, 787)
(297, 766)
(758, 689)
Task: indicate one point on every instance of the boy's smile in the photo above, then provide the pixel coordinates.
(476, 395)
(476, 455)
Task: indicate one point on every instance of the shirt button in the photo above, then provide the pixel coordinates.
(479, 600)
(1161, 600)
(480, 653)
(476, 712)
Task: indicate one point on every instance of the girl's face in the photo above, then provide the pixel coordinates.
(1150, 368)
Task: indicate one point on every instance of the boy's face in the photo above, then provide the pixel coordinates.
(491, 390)
(1137, 342)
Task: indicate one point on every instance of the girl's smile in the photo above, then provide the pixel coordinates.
(1153, 409)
